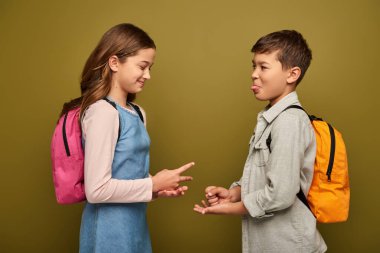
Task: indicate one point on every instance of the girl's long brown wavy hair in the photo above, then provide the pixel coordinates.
(122, 40)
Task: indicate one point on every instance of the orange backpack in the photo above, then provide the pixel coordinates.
(329, 194)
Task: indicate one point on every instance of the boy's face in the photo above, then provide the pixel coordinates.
(270, 81)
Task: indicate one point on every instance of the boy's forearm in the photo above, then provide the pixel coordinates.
(237, 208)
(235, 194)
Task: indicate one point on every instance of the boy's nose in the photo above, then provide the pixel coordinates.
(254, 75)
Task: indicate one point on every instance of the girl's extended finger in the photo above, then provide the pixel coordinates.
(185, 178)
(185, 167)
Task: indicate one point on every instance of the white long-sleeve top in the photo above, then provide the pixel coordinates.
(100, 126)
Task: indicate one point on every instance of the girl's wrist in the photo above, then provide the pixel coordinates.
(154, 185)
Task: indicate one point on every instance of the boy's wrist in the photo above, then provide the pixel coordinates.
(235, 194)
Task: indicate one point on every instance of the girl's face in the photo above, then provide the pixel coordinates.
(130, 76)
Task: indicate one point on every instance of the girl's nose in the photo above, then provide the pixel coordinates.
(147, 74)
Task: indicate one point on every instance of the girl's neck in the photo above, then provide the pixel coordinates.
(118, 97)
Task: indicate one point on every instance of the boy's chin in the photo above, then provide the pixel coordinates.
(260, 97)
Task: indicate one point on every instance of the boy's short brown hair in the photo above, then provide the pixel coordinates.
(293, 49)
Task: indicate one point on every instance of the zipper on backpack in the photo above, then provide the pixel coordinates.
(332, 152)
(65, 136)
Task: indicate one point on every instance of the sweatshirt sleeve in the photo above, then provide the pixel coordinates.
(100, 130)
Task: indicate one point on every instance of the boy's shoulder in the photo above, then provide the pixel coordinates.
(292, 117)
(292, 123)
(296, 114)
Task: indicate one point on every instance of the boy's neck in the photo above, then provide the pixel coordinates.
(274, 101)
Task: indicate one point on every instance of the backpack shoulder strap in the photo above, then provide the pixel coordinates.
(269, 139)
(311, 117)
(110, 102)
(295, 107)
(137, 108)
(114, 106)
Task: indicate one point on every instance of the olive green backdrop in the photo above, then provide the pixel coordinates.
(199, 105)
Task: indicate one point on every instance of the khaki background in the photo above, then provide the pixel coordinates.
(199, 106)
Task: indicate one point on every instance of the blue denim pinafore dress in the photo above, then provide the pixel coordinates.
(120, 227)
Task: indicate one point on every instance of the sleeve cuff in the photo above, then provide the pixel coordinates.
(254, 208)
(148, 190)
(234, 184)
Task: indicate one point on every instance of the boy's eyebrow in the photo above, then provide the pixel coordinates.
(259, 62)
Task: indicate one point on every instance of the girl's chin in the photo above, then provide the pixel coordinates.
(135, 91)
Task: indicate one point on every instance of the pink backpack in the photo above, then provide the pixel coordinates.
(67, 157)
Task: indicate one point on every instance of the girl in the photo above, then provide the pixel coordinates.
(116, 144)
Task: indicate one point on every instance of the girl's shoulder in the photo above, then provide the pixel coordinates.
(102, 106)
(101, 109)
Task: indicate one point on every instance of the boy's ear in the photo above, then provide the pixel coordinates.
(113, 62)
(294, 74)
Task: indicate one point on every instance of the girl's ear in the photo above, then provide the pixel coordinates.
(294, 74)
(113, 62)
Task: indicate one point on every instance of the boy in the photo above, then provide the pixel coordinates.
(274, 218)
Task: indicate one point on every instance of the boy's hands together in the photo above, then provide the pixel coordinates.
(216, 195)
(216, 199)
(221, 201)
